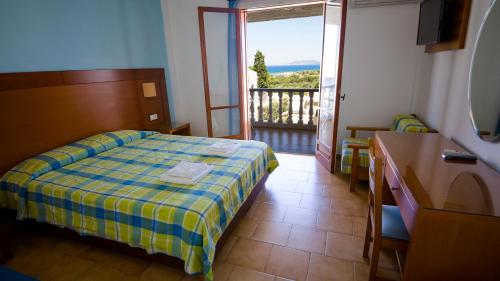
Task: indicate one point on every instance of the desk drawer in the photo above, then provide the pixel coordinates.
(403, 198)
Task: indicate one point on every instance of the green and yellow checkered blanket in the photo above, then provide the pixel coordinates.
(108, 186)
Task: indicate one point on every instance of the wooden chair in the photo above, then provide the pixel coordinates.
(355, 150)
(385, 226)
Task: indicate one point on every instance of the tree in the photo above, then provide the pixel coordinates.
(259, 66)
(302, 79)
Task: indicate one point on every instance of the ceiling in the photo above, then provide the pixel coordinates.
(285, 13)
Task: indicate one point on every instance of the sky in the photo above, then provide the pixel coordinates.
(285, 41)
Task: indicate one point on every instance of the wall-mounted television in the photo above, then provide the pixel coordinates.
(431, 21)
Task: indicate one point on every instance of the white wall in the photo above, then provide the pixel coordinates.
(252, 78)
(442, 92)
(381, 60)
(180, 19)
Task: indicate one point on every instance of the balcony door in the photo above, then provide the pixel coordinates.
(330, 82)
(221, 41)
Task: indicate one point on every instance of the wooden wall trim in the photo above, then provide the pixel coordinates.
(95, 76)
(109, 75)
(26, 80)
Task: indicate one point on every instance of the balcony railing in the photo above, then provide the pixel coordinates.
(284, 108)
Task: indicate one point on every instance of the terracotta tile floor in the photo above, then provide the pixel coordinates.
(305, 225)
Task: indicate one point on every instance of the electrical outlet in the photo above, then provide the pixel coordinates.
(153, 117)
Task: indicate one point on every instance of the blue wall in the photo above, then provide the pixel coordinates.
(38, 35)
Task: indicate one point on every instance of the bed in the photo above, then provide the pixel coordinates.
(108, 186)
(91, 156)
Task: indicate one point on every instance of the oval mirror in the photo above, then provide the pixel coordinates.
(484, 78)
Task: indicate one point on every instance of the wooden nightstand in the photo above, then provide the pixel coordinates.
(182, 129)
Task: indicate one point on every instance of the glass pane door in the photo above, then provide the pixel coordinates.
(329, 84)
(220, 37)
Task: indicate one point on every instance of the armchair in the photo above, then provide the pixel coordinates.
(355, 160)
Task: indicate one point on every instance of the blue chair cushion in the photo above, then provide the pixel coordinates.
(392, 223)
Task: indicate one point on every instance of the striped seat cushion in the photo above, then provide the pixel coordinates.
(347, 154)
(406, 123)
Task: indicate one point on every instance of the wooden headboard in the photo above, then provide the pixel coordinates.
(40, 111)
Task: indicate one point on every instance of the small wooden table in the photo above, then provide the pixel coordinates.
(454, 225)
(182, 128)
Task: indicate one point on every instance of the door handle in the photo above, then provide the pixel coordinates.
(342, 97)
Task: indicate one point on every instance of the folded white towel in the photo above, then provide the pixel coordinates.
(186, 173)
(187, 169)
(222, 149)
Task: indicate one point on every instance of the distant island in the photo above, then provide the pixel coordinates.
(304, 62)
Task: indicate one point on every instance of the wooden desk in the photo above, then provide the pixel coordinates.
(454, 224)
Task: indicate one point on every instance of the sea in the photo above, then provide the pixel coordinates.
(277, 69)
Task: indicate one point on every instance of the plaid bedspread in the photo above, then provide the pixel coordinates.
(108, 186)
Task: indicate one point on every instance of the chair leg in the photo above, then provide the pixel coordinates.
(352, 181)
(372, 276)
(368, 236)
(354, 170)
